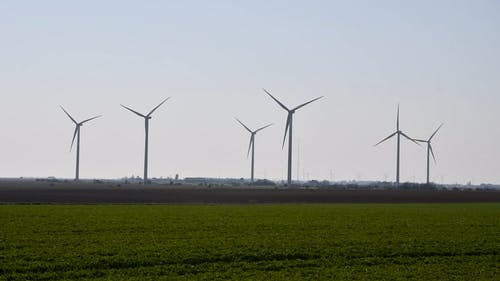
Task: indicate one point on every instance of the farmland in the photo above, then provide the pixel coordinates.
(254, 242)
(84, 193)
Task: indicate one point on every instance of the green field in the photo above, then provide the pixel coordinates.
(253, 242)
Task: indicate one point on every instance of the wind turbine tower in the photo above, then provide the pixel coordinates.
(288, 129)
(76, 135)
(430, 151)
(146, 139)
(398, 134)
(251, 146)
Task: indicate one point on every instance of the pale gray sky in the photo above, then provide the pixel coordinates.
(438, 59)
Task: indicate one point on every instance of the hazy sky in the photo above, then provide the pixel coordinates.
(438, 59)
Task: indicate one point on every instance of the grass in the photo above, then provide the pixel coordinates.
(253, 242)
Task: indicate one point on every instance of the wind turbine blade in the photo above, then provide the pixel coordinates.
(409, 138)
(286, 129)
(158, 106)
(419, 140)
(250, 145)
(276, 100)
(133, 111)
(74, 136)
(432, 153)
(90, 119)
(392, 135)
(397, 119)
(72, 119)
(435, 132)
(304, 104)
(260, 129)
(243, 124)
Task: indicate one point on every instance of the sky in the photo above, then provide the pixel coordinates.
(437, 59)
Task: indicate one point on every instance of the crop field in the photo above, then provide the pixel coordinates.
(252, 242)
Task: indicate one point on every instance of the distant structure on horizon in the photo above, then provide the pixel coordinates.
(398, 133)
(146, 125)
(288, 128)
(76, 134)
(251, 146)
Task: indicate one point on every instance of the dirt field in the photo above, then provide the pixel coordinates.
(69, 193)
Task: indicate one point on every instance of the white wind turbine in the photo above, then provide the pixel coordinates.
(76, 135)
(146, 125)
(251, 146)
(288, 128)
(430, 151)
(398, 133)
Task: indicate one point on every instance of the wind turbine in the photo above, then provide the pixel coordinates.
(398, 133)
(288, 128)
(251, 146)
(146, 123)
(430, 151)
(76, 135)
